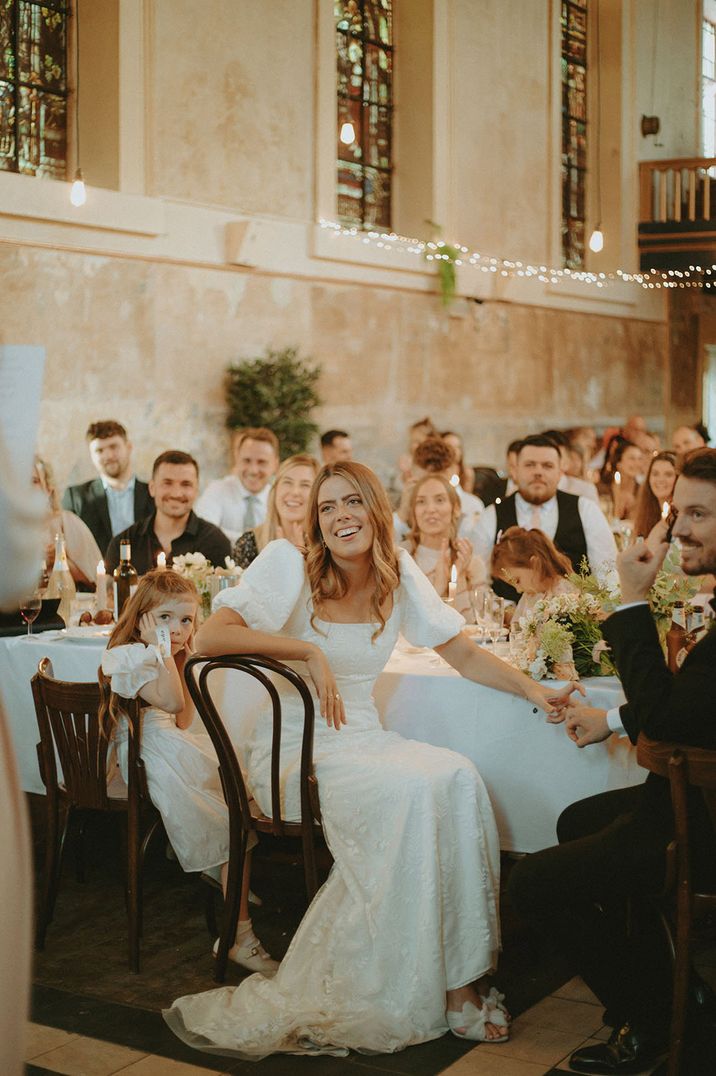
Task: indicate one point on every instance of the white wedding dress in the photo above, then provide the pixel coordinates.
(410, 908)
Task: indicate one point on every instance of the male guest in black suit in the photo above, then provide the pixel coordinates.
(172, 526)
(111, 503)
(613, 846)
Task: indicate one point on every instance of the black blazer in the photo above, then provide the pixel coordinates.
(89, 501)
(678, 707)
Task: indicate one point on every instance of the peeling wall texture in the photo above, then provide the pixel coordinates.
(148, 344)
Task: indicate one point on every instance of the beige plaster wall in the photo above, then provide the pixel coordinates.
(148, 343)
(673, 94)
(230, 110)
(501, 126)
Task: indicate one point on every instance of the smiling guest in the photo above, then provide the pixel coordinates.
(239, 501)
(576, 525)
(173, 527)
(286, 517)
(433, 543)
(116, 498)
(656, 490)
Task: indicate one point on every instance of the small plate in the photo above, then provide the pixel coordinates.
(88, 633)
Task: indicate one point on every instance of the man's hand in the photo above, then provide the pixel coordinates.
(637, 567)
(586, 724)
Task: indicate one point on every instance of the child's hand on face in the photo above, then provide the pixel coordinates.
(148, 629)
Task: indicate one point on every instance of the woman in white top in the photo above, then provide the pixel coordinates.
(394, 947)
(432, 541)
(532, 564)
(83, 553)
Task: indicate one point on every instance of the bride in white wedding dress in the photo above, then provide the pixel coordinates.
(394, 948)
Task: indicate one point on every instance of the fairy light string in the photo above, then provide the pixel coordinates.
(696, 276)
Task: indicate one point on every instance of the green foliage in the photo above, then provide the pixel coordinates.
(277, 391)
(445, 258)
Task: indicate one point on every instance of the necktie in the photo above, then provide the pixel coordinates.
(250, 514)
(536, 518)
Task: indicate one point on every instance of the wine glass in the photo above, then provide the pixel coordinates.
(496, 617)
(29, 609)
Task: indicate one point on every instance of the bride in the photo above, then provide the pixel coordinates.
(396, 945)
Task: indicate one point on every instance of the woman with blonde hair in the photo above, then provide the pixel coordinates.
(285, 512)
(145, 658)
(433, 543)
(83, 553)
(532, 564)
(395, 946)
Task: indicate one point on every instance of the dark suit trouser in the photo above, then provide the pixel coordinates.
(576, 896)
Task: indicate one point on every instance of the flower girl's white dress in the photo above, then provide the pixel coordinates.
(181, 766)
(410, 907)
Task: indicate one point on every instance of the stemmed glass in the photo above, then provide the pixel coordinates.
(30, 608)
(495, 618)
(478, 601)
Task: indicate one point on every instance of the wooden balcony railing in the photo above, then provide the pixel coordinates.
(677, 211)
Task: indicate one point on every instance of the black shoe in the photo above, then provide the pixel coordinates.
(628, 1050)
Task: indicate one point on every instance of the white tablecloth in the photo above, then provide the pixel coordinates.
(531, 769)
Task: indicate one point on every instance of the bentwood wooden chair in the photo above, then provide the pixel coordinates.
(685, 768)
(72, 734)
(244, 815)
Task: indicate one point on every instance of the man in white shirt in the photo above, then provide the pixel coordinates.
(237, 502)
(575, 524)
(436, 456)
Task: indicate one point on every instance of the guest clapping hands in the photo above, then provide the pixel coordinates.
(433, 517)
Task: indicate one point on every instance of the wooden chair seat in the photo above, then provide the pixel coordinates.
(72, 733)
(245, 817)
(685, 768)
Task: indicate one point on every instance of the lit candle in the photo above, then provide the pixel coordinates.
(665, 509)
(101, 587)
(617, 478)
(162, 560)
(452, 585)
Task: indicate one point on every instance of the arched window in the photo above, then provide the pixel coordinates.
(33, 87)
(574, 130)
(364, 32)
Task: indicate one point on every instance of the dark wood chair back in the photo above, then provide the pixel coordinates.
(206, 691)
(72, 733)
(685, 768)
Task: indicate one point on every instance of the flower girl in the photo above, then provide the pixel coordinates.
(145, 657)
(532, 564)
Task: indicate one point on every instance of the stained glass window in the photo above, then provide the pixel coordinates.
(364, 33)
(574, 130)
(33, 87)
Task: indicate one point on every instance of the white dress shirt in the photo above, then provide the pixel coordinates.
(601, 548)
(224, 503)
(579, 487)
(120, 504)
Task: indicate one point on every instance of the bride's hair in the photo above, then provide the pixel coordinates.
(326, 579)
(157, 586)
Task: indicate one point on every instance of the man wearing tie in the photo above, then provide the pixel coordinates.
(237, 502)
(576, 525)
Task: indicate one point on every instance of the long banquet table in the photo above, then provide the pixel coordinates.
(531, 769)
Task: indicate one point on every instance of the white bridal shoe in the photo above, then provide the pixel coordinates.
(249, 953)
(470, 1022)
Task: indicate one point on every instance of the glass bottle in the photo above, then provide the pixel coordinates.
(124, 578)
(61, 584)
(676, 635)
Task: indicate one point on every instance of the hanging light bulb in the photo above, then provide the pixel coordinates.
(78, 193)
(348, 133)
(596, 240)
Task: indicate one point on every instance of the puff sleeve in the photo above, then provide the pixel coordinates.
(425, 619)
(269, 588)
(130, 667)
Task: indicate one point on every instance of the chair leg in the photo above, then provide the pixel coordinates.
(58, 820)
(232, 903)
(79, 848)
(682, 968)
(133, 889)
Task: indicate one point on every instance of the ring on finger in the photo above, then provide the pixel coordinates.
(337, 696)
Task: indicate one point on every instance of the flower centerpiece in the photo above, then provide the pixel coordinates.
(207, 579)
(560, 639)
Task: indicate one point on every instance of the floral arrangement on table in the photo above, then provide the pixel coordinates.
(205, 577)
(561, 638)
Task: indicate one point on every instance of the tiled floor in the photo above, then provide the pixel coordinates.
(541, 1041)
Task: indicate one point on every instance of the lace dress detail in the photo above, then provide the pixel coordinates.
(245, 549)
(181, 765)
(410, 906)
